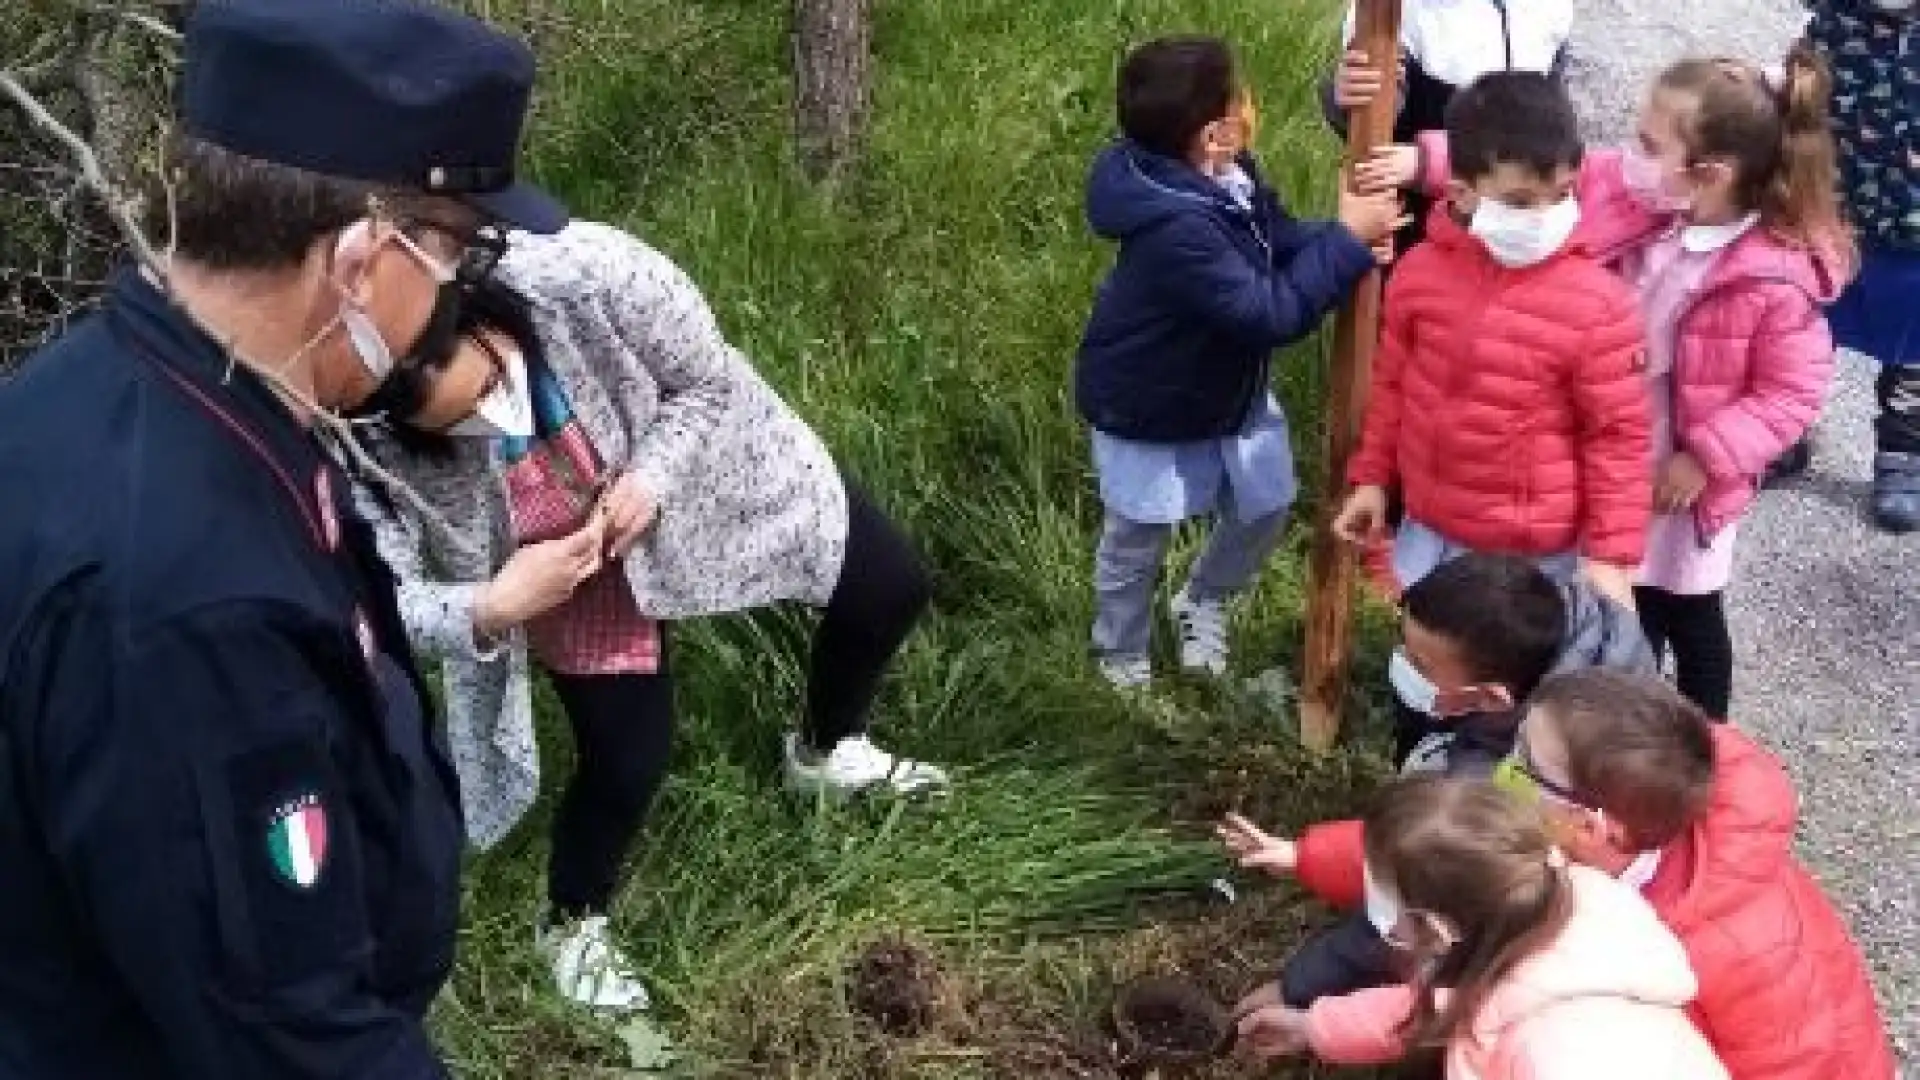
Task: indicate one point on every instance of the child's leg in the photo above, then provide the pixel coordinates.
(1896, 474)
(1126, 568)
(1342, 958)
(1702, 649)
(1656, 617)
(1235, 552)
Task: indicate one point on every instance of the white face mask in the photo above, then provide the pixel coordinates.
(1414, 690)
(506, 410)
(1646, 179)
(1520, 238)
(1382, 907)
(1893, 7)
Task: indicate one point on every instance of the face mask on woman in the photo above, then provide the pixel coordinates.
(506, 409)
(436, 340)
(1519, 238)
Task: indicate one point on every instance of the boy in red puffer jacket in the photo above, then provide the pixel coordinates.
(1509, 401)
(1634, 780)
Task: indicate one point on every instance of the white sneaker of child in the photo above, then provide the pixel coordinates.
(1203, 633)
(1126, 672)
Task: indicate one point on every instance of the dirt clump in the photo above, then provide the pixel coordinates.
(898, 986)
(1169, 1022)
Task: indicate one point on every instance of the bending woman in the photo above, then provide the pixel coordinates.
(602, 463)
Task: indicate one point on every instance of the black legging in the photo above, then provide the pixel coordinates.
(1694, 628)
(623, 724)
(882, 590)
(622, 741)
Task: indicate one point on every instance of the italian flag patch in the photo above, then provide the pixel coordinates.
(297, 841)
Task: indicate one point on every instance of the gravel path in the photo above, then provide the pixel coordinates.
(1826, 625)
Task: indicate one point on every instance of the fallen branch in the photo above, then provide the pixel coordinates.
(90, 169)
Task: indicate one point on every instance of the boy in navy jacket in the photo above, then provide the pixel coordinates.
(1212, 275)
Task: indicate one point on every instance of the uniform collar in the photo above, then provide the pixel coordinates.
(162, 335)
(1700, 239)
(1642, 870)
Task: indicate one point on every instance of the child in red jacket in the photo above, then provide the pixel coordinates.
(1637, 782)
(1508, 400)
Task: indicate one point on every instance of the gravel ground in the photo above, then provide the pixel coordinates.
(1826, 626)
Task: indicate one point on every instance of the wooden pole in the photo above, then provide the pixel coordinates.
(1334, 565)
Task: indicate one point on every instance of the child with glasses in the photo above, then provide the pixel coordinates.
(1520, 965)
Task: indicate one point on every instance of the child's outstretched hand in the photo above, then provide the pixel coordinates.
(1370, 217)
(1614, 582)
(1255, 848)
(1363, 519)
(1680, 482)
(1272, 1032)
(1391, 168)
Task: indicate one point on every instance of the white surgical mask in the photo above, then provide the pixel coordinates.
(1414, 690)
(506, 410)
(1520, 238)
(1382, 907)
(1646, 180)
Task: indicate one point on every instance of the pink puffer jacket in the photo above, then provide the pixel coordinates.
(1754, 357)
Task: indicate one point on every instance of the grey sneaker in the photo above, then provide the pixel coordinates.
(1126, 672)
(1896, 491)
(1203, 634)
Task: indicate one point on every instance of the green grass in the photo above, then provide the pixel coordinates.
(923, 317)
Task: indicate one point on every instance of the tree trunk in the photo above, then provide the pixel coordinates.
(832, 62)
(1332, 572)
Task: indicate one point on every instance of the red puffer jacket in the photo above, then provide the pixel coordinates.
(1512, 405)
(1784, 993)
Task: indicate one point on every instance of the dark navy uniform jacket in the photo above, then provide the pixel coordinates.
(229, 839)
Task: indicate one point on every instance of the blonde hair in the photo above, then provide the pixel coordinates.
(1775, 133)
(1481, 859)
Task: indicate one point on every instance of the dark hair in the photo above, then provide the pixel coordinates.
(1519, 118)
(1173, 87)
(1466, 850)
(1506, 618)
(230, 212)
(1636, 750)
(1777, 138)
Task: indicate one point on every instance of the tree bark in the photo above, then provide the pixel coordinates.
(1333, 569)
(832, 66)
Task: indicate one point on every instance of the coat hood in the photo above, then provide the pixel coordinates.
(1614, 948)
(1131, 189)
(1822, 271)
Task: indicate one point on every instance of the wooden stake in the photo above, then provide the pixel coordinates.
(1333, 570)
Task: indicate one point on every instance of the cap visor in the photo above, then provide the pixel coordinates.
(523, 206)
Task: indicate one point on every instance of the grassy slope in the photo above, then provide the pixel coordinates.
(925, 320)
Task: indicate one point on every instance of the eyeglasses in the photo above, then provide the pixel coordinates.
(1519, 775)
(481, 249)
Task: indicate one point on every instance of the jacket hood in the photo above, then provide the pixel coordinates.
(1822, 271)
(1601, 634)
(1613, 947)
(1131, 189)
(1739, 846)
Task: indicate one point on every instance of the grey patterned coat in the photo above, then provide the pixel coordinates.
(1619, 47)
(752, 508)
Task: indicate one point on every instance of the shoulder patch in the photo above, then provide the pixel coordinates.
(296, 841)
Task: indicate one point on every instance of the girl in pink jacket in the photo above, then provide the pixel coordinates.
(1725, 219)
(1521, 967)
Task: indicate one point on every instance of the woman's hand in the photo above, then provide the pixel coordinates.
(629, 510)
(538, 578)
(1391, 168)
(1680, 482)
(1357, 81)
(1255, 848)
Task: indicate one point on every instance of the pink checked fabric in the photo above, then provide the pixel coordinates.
(600, 631)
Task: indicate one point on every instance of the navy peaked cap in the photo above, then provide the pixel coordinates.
(403, 93)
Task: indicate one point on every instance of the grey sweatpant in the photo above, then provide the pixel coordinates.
(1126, 571)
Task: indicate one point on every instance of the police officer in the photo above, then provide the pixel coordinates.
(229, 842)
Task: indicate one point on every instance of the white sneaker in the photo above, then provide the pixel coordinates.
(1203, 634)
(1126, 672)
(857, 765)
(588, 969)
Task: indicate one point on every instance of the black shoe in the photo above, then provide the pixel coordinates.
(1796, 461)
